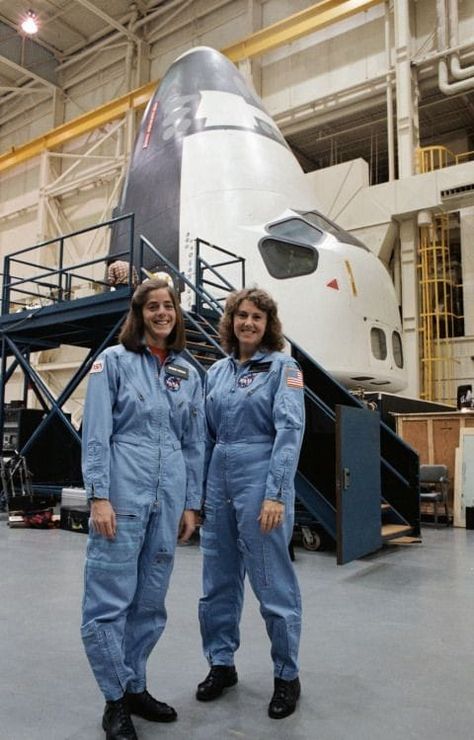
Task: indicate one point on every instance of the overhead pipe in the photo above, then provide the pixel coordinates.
(458, 72)
(451, 88)
(446, 87)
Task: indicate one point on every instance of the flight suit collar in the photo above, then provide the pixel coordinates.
(259, 355)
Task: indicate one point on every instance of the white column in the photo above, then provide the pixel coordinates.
(467, 261)
(409, 283)
(407, 109)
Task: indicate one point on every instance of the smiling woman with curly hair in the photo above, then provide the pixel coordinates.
(272, 340)
(255, 424)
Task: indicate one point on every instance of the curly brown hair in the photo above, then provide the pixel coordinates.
(133, 329)
(273, 338)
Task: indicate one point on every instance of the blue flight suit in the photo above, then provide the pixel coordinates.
(142, 448)
(255, 422)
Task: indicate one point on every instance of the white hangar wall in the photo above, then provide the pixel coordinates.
(311, 82)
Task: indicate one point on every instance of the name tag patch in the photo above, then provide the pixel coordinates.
(172, 383)
(260, 367)
(97, 367)
(178, 371)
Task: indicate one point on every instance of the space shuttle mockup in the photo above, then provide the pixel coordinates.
(209, 163)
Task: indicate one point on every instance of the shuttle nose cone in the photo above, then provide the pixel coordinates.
(201, 91)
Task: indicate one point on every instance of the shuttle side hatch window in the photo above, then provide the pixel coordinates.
(324, 223)
(296, 230)
(378, 342)
(285, 260)
(397, 348)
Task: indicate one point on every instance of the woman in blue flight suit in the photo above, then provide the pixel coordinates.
(255, 420)
(143, 453)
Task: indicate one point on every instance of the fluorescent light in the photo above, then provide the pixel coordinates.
(30, 23)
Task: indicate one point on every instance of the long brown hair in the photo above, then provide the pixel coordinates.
(133, 329)
(273, 338)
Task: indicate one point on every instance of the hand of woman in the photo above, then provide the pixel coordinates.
(103, 517)
(187, 525)
(271, 515)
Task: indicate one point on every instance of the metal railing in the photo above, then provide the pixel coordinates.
(207, 274)
(430, 158)
(202, 296)
(54, 283)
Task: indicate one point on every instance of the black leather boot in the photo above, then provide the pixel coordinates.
(146, 706)
(117, 722)
(285, 696)
(220, 677)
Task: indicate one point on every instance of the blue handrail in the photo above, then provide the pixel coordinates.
(63, 275)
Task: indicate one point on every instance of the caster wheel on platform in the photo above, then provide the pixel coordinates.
(311, 539)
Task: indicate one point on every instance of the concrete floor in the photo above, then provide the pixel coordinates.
(387, 649)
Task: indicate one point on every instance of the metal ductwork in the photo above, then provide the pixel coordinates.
(464, 76)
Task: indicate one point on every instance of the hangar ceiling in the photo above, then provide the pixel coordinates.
(322, 141)
(319, 138)
(67, 26)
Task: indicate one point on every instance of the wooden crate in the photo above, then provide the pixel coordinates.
(435, 437)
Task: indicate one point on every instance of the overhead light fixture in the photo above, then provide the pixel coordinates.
(30, 23)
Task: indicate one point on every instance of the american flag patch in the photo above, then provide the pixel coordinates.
(294, 377)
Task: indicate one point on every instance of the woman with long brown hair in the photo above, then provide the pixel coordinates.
(142, 464)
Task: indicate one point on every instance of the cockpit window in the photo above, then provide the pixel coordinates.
(397, 348)
(315, 218)
(297, 230)
(285, 260)
(378, 342)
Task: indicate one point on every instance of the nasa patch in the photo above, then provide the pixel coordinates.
(97, 367)
(246, 380)
(172, 383)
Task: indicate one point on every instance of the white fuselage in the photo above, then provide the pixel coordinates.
(234, 182)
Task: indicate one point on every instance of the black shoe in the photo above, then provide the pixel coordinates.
(220, 677)
(116, 721)
(285, 696)
(149, 708)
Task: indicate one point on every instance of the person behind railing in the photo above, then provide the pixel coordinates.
(142, 456)
(255, 423)
(118, 275)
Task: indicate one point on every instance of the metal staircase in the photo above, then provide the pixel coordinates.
(356, 478)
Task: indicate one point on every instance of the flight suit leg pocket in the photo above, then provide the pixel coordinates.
(156, 579)
(207, 531)
(256, 555)
(121, 549)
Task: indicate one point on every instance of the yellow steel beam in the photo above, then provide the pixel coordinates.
(78, 126)
(294, 27)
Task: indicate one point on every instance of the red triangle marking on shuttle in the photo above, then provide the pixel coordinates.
(333, 284)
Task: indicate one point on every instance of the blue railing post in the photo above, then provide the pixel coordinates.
(60, 267)
(3, 372)
(6, 286)
(131, 261)
(199, 277)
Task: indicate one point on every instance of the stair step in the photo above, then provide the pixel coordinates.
(406, 541)
(203, 347)
(197, 333)
(389, 531)
(205, 359)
